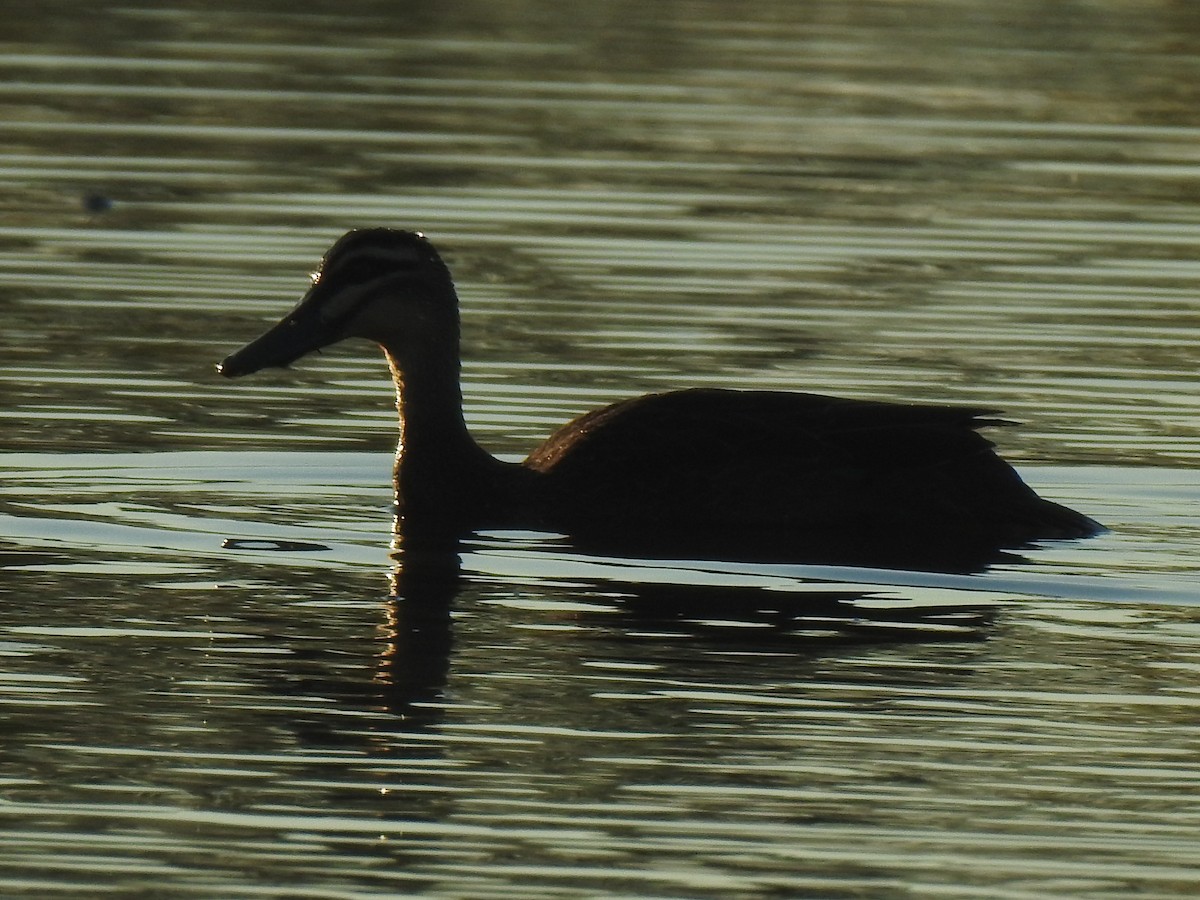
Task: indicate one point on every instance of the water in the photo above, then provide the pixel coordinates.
(216, 683)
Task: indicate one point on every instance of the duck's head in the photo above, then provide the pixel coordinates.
(387, 286)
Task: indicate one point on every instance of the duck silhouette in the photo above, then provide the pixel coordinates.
(712, 472)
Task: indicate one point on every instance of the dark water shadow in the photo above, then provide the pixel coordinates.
(811, 620)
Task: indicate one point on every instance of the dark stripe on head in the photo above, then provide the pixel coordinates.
(364, 256)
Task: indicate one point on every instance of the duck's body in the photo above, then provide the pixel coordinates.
(694, 470)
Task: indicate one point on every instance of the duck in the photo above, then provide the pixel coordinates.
(703, 471)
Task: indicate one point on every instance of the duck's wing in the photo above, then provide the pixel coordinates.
(754, 435)
(793, 461)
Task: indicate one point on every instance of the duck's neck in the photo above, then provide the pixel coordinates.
(440, 471)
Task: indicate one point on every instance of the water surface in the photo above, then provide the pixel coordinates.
(216, 681)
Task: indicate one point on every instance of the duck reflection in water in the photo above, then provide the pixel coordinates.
(706, 473)
(601, 599)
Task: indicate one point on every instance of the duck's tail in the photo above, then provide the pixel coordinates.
(1061, 523)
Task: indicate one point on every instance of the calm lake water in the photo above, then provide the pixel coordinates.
(216, 683)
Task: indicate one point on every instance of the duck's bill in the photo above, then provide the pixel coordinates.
(298, 334)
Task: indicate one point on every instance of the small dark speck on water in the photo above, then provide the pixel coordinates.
(97, 203)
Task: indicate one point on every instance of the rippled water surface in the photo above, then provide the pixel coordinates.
(217, 682)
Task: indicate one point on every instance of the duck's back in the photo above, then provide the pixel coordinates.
(771, 462)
